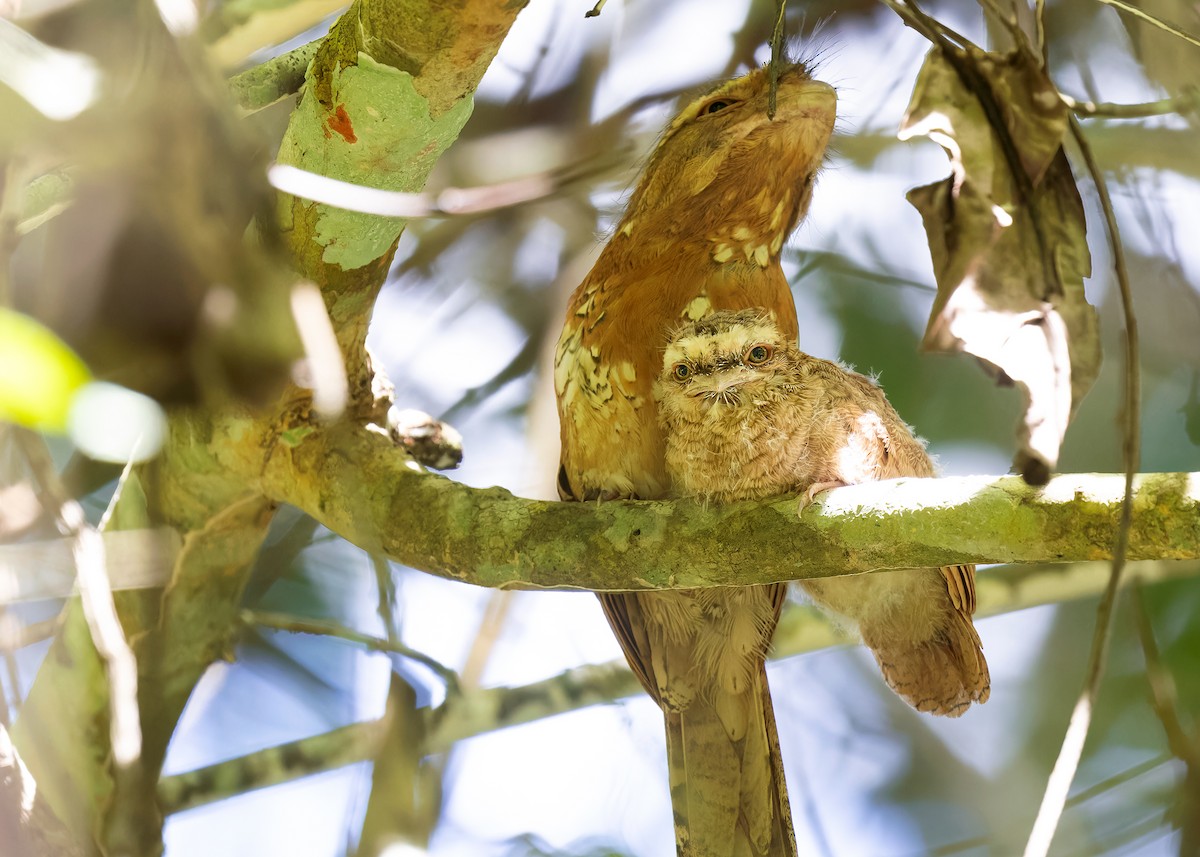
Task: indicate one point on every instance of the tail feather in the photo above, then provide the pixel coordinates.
(701, 660)
(917, 623)
(942, 675)
(727, 789)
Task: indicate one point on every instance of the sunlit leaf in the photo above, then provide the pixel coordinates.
(1008, 238)
(41, 374)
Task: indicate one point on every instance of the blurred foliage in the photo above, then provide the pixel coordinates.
(38, 397)
(462, 329)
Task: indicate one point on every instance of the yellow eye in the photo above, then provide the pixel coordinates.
(758, 355)
(717, 106)
(681, 371)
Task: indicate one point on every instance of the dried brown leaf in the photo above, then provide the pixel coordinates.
(1008, 238)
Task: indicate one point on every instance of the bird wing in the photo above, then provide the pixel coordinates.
(887, 449)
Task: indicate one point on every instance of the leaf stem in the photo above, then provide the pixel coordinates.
(1152, 20)
(1059, 784)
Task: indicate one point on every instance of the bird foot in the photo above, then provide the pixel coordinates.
(807, 498)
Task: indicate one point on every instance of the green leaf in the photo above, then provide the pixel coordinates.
(42, 374)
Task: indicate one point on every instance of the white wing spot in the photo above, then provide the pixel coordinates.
(698, 307)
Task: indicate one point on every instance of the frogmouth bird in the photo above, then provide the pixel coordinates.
(702, 231)
(746, 415)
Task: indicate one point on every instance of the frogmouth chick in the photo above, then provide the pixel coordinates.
(746, 415)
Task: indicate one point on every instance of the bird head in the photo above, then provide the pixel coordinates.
(723, 165)
(727, 359)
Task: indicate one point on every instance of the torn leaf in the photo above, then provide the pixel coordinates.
(1008, 239)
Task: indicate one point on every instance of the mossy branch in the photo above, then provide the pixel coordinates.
(356, 484)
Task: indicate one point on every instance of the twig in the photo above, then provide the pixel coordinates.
(595, 10)
(1039, 38)
(823, 262)
(1071, 751)
(776, 56)
(124, 811)
(1009, 21)
(931, 28)
(386, 585)
(1119, 779)
(1077, 799)
(15, 635)
(325, 628)
(495, 613)
(277, 78)
(1150, 828)
(472, 713)
(1163, 695)
(1164, 699)
(1155, 823)
(450, 202)
(109, 637)
(1152, 20)
(111, 508)
(912, 20)
(125, 729)
(1187, 101)
(283, 763)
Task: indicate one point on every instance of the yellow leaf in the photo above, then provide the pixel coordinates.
(40, 374)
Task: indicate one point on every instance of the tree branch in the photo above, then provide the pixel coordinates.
(478, 711)
(263, 85)
(354, 483)
(1165, 527)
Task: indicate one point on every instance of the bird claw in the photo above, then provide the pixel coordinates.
(810, 495)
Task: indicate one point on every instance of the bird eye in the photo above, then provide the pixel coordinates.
(758, 355)
(717, 106)
(681, 371)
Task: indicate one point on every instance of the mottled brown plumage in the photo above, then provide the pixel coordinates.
(703, 231)
(746, 415)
